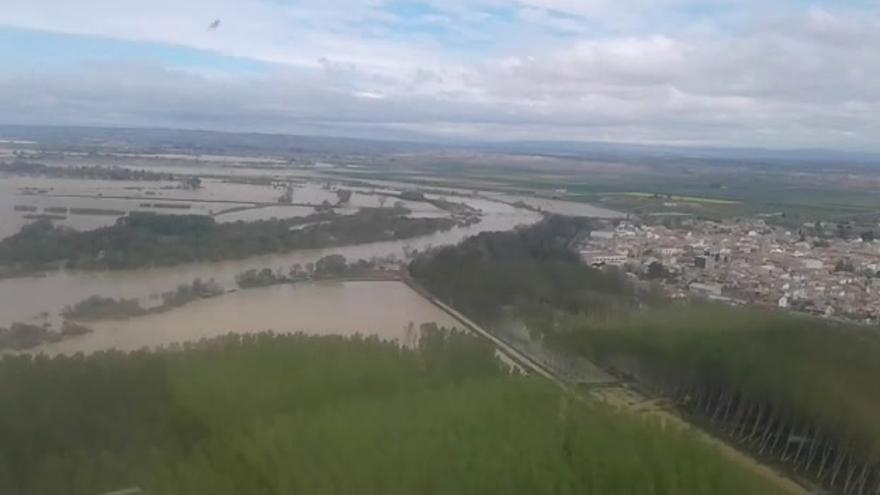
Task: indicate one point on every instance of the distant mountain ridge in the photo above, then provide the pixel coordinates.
(154, 140)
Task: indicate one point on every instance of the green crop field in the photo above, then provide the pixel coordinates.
(297, 414)
(791, 197)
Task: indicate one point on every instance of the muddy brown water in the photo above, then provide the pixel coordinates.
(389, 310)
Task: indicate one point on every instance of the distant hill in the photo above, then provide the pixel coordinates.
(145, 140)
(641, 153)
(192, 141)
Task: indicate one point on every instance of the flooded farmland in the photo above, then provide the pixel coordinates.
(25, 298)
(90, 204)
(557, 206)
(380, 308)
(376, 308)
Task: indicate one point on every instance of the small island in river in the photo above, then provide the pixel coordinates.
(142, 240)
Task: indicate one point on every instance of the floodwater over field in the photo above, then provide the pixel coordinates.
(89, 204)
(390, 310)
(86, 204)
(558, 206)
(380, 308)
(25, 298)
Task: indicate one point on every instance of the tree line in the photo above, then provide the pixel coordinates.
(532, 268)
(148, 239)
(328, 267)
(797, 389)
(98, 307)
(84, 172)
(21, 336)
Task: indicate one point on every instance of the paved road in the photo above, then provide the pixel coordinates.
(514, 355)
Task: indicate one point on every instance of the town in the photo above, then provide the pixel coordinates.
(821, 269)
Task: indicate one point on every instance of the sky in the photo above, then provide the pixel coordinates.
(750, 73)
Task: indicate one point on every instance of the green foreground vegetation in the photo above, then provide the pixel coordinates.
(799, 390)
(298, 414)
(824, 373)
(146, 239)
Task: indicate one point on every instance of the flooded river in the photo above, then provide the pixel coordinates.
(390, 310)
(25, 298)
(378, 308)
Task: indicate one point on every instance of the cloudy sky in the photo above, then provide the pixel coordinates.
(769, 73)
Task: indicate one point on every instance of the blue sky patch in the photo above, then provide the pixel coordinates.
(36, 50)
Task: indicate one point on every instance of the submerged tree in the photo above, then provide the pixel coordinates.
(330, 266)
(193, 182)
(343, 196)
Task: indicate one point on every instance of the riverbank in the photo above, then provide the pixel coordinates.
(26, 298)
(386, 309)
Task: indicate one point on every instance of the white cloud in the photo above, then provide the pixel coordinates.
(538, 69)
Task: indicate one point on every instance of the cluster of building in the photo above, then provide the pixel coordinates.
(747, 261)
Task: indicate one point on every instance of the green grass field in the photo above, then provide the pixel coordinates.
(316, 415)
